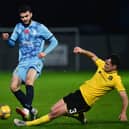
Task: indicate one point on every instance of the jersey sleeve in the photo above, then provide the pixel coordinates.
(119, 85)
(53, 43)
(44, 32)
(99, 63)
(14, 35)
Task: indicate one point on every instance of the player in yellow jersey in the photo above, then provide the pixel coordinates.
(75, 104)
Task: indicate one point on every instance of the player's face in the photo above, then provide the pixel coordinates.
(108, 67)
(26, 17)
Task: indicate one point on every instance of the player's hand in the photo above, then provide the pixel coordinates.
(77, 50)
(5, 36)
(123, 117)
(41, 55)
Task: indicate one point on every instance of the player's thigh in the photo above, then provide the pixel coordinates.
(21, 71)
(58, 104)
(31, 76)
(76, 103)
(58, 109)
(37, 65)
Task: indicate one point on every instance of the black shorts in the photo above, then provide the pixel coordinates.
(76, 103)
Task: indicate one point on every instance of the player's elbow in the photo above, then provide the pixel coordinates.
(54, 41)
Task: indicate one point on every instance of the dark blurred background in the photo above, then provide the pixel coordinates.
(98, 25)
(110, 15)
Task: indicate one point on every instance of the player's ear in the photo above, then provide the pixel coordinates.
(114, 67)
(31, 14)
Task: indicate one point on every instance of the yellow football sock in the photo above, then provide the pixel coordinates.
(38, 121)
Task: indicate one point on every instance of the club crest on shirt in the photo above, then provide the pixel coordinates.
(110, 77)
(26, 31)
(38, 65)
(99, 71)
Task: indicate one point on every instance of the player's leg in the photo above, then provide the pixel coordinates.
(70, 105)
(17, 78)
(15, 88)
(57, 105)
(29, 82)
(19, 75)
(76, 106)
(32, 71)
(28, 112)
(59, 109)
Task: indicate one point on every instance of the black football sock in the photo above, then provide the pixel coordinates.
(21, 97)
(29, 96)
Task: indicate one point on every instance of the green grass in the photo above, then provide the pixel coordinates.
(50, 87)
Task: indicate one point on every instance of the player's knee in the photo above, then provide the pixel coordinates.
(53, 113)
(14, 88)
(28, 82)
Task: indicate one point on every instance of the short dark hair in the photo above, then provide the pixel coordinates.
(115, 59)
(24, 8)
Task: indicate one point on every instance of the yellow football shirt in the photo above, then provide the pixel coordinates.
(101, 83)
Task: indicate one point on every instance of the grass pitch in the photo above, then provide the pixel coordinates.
(50, 87)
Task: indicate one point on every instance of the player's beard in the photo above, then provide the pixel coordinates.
(26, 24)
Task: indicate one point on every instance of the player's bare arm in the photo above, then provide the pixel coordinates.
(124, 97)
(89, 54)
